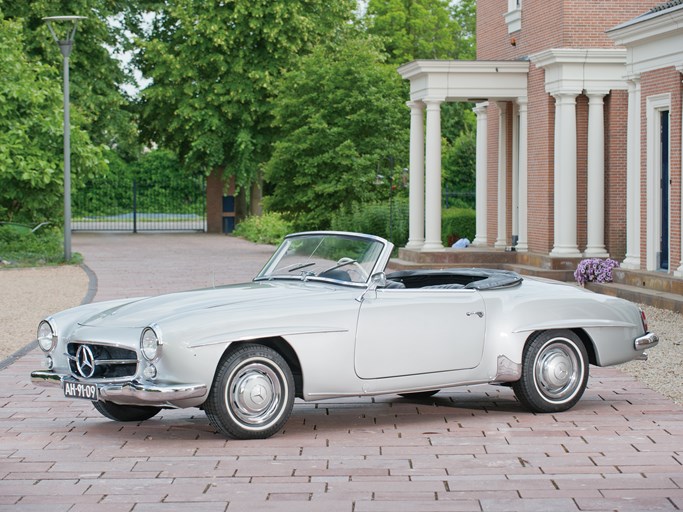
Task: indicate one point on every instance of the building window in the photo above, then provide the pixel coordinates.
(513, 17)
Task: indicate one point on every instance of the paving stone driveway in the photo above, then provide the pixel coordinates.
(469, 449)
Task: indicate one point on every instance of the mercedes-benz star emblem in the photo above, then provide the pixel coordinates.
(85, 361)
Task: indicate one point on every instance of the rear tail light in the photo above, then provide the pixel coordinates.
(644, 320)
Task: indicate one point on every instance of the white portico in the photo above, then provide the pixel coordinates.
(568, 73)
(431, 84)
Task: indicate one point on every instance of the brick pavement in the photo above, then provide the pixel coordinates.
(468, 449)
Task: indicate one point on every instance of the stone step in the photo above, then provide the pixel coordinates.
(651, 280)
(529, 270)
(652, 297)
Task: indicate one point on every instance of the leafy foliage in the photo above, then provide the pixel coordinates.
(459, 162)
(269, 228)
(213, 67)
(435, 29)
(31, 135)
(388, 220)
(464, 13)
(157, 179)
(19, 246)
(413, 29)
(341, 118)
(457, 223)
(96, 76)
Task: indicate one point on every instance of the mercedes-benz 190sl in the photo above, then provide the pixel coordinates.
(323, 319)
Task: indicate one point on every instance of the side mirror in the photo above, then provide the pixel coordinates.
(377, 280)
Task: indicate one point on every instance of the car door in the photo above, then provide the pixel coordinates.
(417, 331)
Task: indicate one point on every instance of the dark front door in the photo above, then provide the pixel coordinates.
(664, 141)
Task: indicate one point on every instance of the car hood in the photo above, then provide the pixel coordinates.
(139, 313)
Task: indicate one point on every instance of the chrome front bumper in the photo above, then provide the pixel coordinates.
(128, 393)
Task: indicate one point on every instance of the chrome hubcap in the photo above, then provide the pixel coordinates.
(557, 371)
(254, 393)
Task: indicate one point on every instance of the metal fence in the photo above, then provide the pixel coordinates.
(128, 204)
(451, 197)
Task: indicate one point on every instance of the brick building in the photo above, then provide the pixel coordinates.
(579, 137)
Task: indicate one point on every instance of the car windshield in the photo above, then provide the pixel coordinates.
(342, 257)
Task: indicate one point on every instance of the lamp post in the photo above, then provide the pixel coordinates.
(65, 44)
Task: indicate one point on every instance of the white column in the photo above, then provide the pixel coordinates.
(679, 271)
(514, 211)
(416, 215)
(633, 137)
(595, 246)
(480, 238)
(565, 244)
(523, 194)
(501, 239)
(433, 177)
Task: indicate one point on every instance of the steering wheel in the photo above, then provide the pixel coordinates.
(343, 262)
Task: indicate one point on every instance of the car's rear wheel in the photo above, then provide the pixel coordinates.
(252, 395)
(118, 412)
(554, 372)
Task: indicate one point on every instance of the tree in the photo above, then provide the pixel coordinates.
(341, 117)
(213, 66)
(413, 29)
(435, 29)
(464, 14)
(31, 177)
(96, 76)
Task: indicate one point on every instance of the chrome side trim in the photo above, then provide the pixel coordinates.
(130, 393)
(507, 370)
(647, 340)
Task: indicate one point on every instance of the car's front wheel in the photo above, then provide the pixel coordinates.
(252, 395)
(118, 412)
(554, 372)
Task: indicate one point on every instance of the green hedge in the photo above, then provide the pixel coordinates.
(269, 228)
(380, 219)
(457, 223)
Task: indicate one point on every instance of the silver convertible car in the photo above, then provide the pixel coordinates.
(323, 320)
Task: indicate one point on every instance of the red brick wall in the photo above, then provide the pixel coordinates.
(492, 172)
(581, 171)
(662, 81)
(616, 115)
(587, 20)
(540, 133)
(550, 24)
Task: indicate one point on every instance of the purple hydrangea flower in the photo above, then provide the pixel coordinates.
(595, 269)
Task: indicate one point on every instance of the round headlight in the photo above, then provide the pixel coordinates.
(46, 336)
(150, 344)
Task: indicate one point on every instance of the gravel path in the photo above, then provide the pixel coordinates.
(32, 293)
(29, 294)
(662, 371)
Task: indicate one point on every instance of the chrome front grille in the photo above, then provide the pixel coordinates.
(96, 361)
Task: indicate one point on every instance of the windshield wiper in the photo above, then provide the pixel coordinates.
(299, 266)
(342, 263)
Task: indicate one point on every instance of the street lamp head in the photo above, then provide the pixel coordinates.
(68, 25)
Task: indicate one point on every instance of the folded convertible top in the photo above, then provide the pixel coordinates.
(470, 278)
